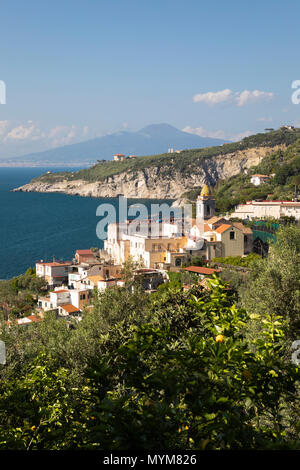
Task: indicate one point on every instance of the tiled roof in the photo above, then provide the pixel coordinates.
(70, 308)
(222, 228)
(84, 252)
(214, 219)
(201, 270)
(246, 230)
(34, 318)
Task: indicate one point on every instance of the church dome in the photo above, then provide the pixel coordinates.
(205, 191)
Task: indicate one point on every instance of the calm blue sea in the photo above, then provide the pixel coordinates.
(36, 226)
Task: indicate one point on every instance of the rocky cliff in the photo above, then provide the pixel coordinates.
(160, 182)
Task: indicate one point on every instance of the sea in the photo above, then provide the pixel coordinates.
(43, 226)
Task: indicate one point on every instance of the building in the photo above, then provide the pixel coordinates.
(55, 273)
(259, 179)
(118, 157)
(156, 251)
(78, 298)
(217, 237)
(85, 256)
(77, 272)
(248, 237)
(262, 209)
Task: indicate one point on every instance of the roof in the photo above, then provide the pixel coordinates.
(207, 228)
(201, 270)
(222, 228)
(95, 278)
(54, 263)
(214, 219)
(246, 230)
(59, 291)
(34, 318)
(261, 176)
(203, 227)
(84, 252)
(69, 308)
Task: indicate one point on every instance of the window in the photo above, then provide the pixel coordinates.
(232, 235)
(177, 262)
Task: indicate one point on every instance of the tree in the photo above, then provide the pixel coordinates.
(274, 285)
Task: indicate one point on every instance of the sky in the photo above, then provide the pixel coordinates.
(75, 70)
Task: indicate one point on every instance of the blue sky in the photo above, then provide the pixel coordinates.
(75, 70)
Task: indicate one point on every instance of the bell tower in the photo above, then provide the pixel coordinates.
(205, 204)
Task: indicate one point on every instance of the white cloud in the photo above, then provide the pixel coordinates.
(27, 131)
(213, 97)
(219, 134)
(247, 96)
(239, 98)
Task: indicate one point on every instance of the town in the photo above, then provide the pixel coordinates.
(70, 285)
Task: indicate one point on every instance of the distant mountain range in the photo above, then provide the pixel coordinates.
(153, 139)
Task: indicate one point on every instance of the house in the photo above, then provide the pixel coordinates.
(55, 273)
(106, 284)
(156, 251)
(201, 271)
(68, 310)
(31, 319)
(91, 282)
(84, 256)
(150, 278)
(259, 179)
(119, 157)
(77, 272)
(78, 298)
(164, 248)
(224, 239)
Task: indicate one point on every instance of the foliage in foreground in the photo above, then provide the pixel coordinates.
(185, 377)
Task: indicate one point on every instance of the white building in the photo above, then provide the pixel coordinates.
(257, 180)
(118, 157)
(264, 209)
(55, 273)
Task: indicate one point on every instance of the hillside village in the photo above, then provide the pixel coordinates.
(172, 248)
(71, 284)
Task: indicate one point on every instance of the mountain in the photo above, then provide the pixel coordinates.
(153, 139)
(169, 175)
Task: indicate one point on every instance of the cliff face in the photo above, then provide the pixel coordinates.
(162, 182)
